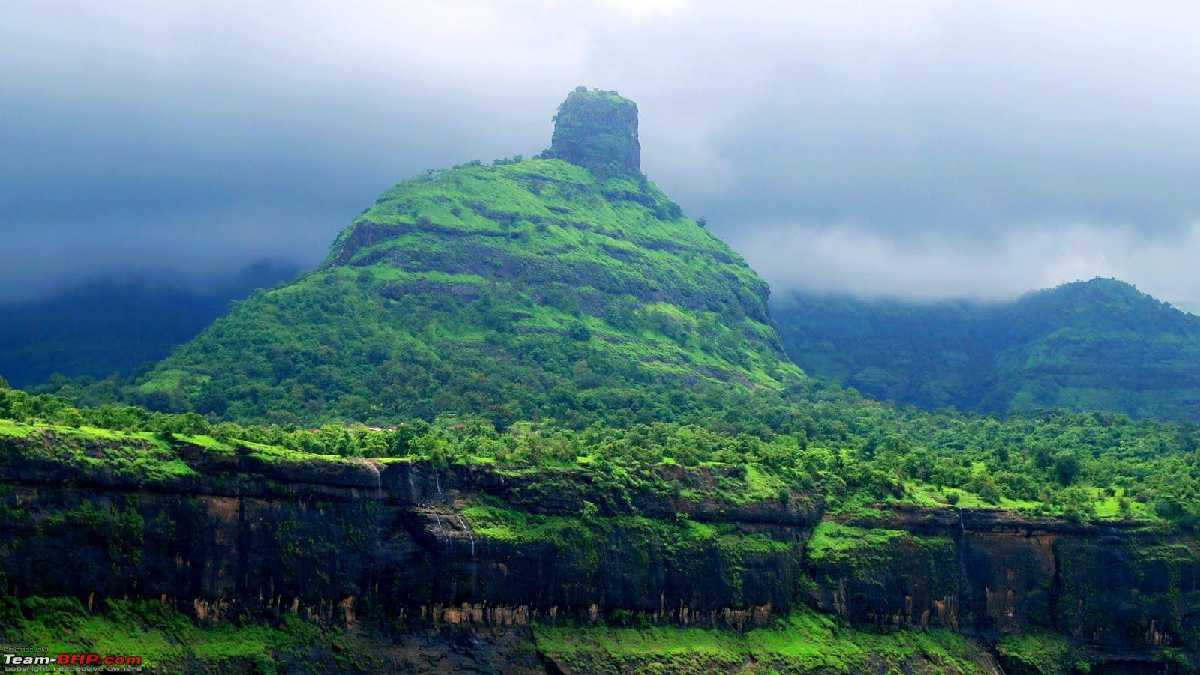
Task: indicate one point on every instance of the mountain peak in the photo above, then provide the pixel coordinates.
(540, 288)
(598, 130)
(1096, 290)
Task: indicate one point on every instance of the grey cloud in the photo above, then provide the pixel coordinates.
(845, 258)
(887, 146)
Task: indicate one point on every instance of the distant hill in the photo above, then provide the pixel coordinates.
(1095, 345)
(114, 325)
(566, 286)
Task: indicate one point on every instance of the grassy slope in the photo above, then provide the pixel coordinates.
(805, 642)
(169, 642)
(516, 290)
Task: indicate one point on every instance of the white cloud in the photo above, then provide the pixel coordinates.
(852, 259)
(644, 9)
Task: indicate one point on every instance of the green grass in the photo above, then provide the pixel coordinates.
(167, 640)
(15, 429)
(929, 495)
(517, 527)
(832, 541)
(803, 642)
(586, 537)
(1106, 507)
(278, 454)
(207, 442)
(1042, 653)
(760, 485)
(1109, 506)
(139, 457)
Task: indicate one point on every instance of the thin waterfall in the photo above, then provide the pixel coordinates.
(961, 553)
(441, 528)
(469, 534)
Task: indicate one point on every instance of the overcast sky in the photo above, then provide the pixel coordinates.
(925, 149)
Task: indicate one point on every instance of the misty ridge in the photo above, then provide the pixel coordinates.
(114, 325)
(1095, 345)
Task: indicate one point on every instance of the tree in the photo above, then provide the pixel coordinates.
(1076, 504)
(1178, 508)
(579, 332)
(1041, 456)
(1066, 467)
(988, 491)
(1002, 453)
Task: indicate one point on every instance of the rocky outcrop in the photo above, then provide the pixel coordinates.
(597, 130)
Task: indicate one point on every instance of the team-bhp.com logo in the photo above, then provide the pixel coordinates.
(71, 661)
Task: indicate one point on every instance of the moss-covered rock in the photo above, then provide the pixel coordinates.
(598, 130)
(886, 578)
(1121, 593)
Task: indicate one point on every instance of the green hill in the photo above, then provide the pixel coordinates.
(1096, 345)
(566, 286)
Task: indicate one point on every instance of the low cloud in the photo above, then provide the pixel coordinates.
(844, 258)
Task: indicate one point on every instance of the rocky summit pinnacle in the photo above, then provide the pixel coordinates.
(597, 130)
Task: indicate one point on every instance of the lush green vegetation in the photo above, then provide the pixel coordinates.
(805, 642)
(852, 452)
(1044, 653)
(168, 641)
(1099, 345)
(520, 290)
(831, 541)
(498, 522)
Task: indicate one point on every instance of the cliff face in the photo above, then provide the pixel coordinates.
(399, 540)
(598, 130)
(350, 541)
(1114, 588)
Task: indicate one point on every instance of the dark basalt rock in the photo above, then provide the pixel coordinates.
(1112, 588)
(597, 130)
(344, 541)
